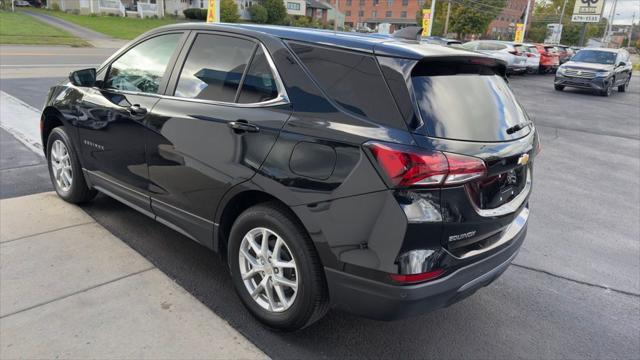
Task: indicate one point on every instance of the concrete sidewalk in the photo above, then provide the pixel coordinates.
(70, 289)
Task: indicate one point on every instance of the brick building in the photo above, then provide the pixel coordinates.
(370, 13)
(504, 26)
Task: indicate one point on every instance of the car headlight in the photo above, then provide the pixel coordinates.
(561, 70)
(603, 73)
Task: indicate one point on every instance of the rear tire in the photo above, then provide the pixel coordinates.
(558, 87)
(65, 170)
(275, 302)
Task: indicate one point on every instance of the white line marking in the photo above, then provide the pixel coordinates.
(21, 120)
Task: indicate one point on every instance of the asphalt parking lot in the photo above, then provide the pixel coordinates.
(573, 291)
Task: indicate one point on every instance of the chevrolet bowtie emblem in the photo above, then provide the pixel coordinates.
(523, 159)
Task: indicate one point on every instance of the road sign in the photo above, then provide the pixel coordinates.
(213, 13)
(554, 33)
(587, 11)
(426, 20)
(519, 33)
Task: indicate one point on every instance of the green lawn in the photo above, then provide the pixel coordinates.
(116, 26)
(16, 28)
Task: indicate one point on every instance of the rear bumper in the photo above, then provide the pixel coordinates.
(383, 301)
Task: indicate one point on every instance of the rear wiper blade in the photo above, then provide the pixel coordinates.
(518, 127)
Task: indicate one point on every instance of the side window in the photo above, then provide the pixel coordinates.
(141, 68)
(214, 68)
(485, 46)
(352, 80)
(259, 84)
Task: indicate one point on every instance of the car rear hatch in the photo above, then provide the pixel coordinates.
(466, 107)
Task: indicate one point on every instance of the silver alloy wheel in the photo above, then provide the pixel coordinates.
(268, 269)
(61, 165)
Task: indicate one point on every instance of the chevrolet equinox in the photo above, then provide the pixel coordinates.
(378, 175)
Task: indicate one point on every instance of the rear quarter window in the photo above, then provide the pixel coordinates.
(353, 81)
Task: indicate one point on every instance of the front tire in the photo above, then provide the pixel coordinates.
(275, 268)
(608, 90)
(65, 170)
(558, 87)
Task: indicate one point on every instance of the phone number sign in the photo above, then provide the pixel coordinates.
(587, 11)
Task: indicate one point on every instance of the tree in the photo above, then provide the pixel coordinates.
(276, 12)
(229, 11)
(470, 17)
(258, 14)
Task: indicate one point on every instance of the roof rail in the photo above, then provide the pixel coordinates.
(408, 33)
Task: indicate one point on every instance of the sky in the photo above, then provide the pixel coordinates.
(624, 11)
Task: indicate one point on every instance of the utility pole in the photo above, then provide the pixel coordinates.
(446, 22)
(564, 5)
(526, 20)
(612, 14)
(433, 16)
(335, 15)
(633, 18)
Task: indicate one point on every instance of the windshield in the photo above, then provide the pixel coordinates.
(595, 57)
(468, 107)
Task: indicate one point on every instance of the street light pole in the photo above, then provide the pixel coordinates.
(446, 21)
(526, 20)
(633, 18)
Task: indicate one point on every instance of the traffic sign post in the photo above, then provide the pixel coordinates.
(587, 11)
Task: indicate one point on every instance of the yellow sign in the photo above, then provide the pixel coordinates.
(519, 33)
(211, 12)
(426, 19)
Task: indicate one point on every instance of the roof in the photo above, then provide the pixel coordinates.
(380, 45)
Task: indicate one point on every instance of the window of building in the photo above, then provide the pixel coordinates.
(346, 77)
(347, 13)
(348, 2)
(142, 67)
(293, 6)
(405, 2)
(361, 13)
(374, 14)
(403, 14)
(388, 14)
(214, 67)
(361, 2)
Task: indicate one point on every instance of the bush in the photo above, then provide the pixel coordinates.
(195, 14)
(229, 11)
(258, 14)
(276, 12)
(55, 7)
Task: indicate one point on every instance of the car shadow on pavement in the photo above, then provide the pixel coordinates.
(510, 319)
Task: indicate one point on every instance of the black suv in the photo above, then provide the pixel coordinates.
(377, 175)
(600, 69)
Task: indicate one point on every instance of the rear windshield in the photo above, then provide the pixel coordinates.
(470, 107)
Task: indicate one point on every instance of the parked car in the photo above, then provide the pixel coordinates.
(441, 41)
(21, 3)
(533, 57)
(564, 53)
(516, 61)
(549, 58)
(368, 174)
(600, 69)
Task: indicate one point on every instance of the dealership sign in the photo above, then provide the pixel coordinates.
(587, 11)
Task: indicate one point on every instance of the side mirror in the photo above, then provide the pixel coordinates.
(84, 77)
(622, 63)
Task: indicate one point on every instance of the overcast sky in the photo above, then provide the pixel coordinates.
(624, 11)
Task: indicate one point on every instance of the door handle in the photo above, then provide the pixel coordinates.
(136, 109)
(243, 126)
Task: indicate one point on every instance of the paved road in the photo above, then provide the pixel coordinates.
(573, 293)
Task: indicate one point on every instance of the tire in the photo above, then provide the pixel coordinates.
(558, 87)
(62, 158)
(625, 86)
(607, 92)
(301, 307)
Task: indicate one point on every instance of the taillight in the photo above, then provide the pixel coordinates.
(405, 166)
(416, 278)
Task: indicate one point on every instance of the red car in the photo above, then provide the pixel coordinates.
(549, 58)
